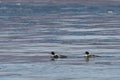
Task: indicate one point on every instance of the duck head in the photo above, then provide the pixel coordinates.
(87, 53)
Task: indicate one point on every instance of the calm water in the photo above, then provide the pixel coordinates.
(29, 32)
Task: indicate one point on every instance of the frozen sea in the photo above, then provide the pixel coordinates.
(30, 31)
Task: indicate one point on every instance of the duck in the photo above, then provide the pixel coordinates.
(54, 56)
(87, 54)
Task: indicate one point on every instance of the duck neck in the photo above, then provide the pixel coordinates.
(52, 56)
(87, 55)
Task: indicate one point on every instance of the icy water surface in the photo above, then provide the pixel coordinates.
(29, 32)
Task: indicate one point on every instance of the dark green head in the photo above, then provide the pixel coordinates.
(87, 52)
(53, 53)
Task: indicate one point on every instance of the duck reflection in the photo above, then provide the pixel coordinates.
(87, 59)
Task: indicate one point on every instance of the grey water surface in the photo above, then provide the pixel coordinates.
(30, 31)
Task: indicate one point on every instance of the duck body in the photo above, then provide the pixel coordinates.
(53, 55)
(90, 55)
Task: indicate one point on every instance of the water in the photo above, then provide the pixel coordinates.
(30, 31)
